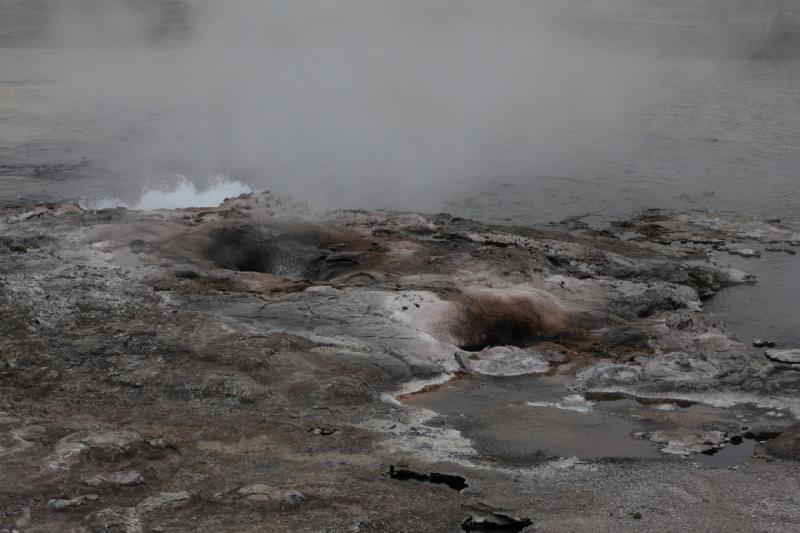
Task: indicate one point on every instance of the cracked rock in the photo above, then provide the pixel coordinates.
(163, 501)
(114, 519)
(484, 518)
(260, 494)
(62, 504)
(126, 478)
(111, 445)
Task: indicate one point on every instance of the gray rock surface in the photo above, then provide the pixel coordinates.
(199, 386)
(126, 478)
(61, 504)
(164, 501)
(784, 356)
(120, 519)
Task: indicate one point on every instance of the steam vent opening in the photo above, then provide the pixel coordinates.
(510, 319)
(296, 256)
(503, 332)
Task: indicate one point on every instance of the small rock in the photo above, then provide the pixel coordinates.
(137, 246)
(158, 443)
(556, 357)
(507, 361)
(683, 443)
(122, 519)
(24, 518)
(113, 444)
(39, 211)
(761, 343)
(32, 433)
(260, 494)
(126, 478)
(323, 431)
(784, 249)
(784, 356)
(745, 252)
(67, 454)
(485, 518)
(61, 504)
(164, 500)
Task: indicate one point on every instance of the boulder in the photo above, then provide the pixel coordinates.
(787, 444)
(784, 356)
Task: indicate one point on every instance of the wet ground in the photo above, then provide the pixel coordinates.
(498, 415)
(730, 455)
(525, 420)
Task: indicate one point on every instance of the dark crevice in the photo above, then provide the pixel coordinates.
(504, 332)
(249, 249)
(454, 482)
(601, 396)
(487, 520)
(761, 436)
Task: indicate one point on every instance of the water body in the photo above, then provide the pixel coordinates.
(527, 419)
(730, 455)
(766, 310)
(725, 136)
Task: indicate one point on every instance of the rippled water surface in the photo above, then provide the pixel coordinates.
(724, 134)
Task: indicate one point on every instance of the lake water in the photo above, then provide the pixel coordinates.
(726, 136)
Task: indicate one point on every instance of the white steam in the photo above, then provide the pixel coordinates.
(334, 99)
(355, 102)
(181, 194)
(186, 194)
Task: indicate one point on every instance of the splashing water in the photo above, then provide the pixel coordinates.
(181, 195)
(575, 402)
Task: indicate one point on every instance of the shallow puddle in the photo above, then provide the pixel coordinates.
(526, 418)
(759, 311)
(730, 455)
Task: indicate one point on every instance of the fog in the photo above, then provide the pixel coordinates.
(341, 102)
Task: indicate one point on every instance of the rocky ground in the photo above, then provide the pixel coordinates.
(253, 367)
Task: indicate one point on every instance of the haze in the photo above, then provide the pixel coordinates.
(341, 101)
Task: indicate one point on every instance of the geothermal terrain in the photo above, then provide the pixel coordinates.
(268, 365)
(265, 366)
